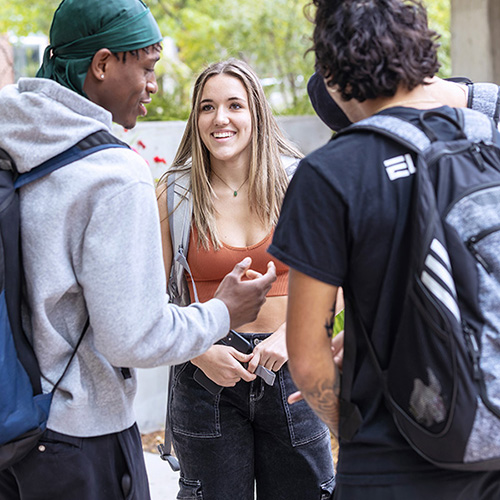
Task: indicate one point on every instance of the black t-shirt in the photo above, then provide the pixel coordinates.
(344, 222)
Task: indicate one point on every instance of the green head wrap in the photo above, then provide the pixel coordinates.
(82, 27)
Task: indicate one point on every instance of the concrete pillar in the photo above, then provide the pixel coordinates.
(494, 20)
(475, 39)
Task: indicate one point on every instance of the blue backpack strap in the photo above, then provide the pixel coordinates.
(91, 144)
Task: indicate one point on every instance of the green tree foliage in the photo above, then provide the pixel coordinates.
(272, 36)
(24, 17)
(439, 20)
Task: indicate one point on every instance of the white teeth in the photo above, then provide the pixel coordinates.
(222, 135)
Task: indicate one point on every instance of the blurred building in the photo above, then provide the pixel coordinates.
(6, 62)
(20, 56)
(475, 39)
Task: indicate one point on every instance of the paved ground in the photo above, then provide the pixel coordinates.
(162, 481)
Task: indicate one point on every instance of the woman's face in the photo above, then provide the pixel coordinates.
(224, 120)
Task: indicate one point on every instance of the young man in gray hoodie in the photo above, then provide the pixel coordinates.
(92, 251)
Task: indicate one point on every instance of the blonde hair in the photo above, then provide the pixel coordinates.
(267, 181)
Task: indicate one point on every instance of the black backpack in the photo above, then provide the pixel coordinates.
(442, 381)
(24, 409)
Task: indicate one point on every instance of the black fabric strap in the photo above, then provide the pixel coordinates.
(350, 416)
(165, 449)
(470, 94)
(85, 328)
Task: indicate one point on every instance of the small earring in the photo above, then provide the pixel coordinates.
(102, 77)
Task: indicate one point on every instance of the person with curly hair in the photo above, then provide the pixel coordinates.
(344, 223)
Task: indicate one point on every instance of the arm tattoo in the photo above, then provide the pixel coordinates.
(330, 322)
(324, 400)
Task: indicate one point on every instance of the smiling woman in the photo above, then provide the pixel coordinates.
(233, 154)
(225, 126)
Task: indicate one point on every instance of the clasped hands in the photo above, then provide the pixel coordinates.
(226, 366)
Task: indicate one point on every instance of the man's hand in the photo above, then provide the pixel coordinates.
(244, 299)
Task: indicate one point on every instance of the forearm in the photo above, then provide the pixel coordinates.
(320, 388)
(309, 328)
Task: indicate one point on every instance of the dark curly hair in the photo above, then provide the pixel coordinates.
(368, 48)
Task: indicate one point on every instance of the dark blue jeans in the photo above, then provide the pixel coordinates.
(248, 435)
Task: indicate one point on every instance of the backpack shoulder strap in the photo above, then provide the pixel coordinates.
(485, 97)
(180, 210)
(14, 276)
(476, 125)
(290, 164)
(87, 146)
(395, 128)
(179, 207)
(93, 143)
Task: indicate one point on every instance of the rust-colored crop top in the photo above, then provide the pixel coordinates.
(210, 266)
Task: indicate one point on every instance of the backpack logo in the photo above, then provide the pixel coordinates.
(399, 167)
(437, 277)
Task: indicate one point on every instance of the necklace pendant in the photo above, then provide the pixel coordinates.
(235, 193)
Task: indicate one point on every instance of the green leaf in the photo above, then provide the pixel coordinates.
(338, 324)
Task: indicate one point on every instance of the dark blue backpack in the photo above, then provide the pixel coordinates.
(24, 409)
(442, 381)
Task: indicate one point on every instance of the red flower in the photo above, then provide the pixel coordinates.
(157, 159)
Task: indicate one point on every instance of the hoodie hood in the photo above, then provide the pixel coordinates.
(40, 119)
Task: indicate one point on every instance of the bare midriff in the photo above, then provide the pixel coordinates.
(209, 266)
(271, 316)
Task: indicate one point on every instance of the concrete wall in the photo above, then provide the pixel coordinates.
(475, 39)
(160, 140)
(151, 400)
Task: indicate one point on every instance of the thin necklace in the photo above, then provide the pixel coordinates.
(410, 101)
(235, 191)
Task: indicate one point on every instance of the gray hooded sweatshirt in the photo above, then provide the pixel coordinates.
(91, 246)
